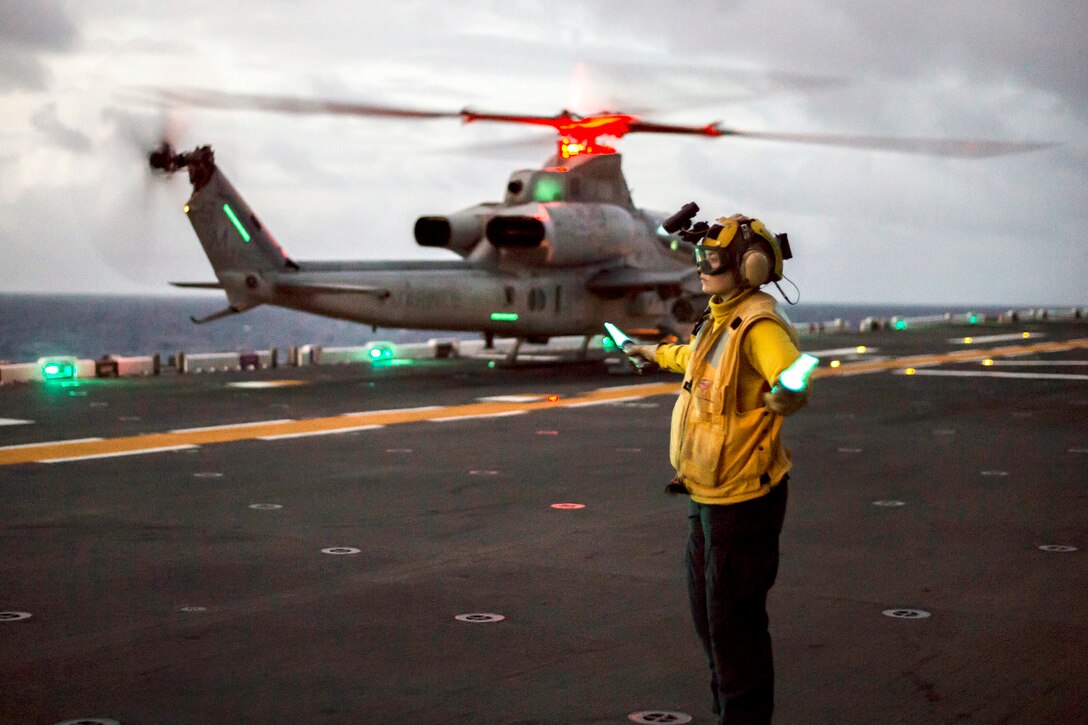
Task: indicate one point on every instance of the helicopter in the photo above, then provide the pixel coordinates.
(564, 251)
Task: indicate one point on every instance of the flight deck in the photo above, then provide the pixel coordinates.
(457, 541)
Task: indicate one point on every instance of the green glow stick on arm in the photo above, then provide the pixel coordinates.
(795, 377)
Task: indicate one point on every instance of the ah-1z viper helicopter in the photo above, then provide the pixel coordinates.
(564, 251)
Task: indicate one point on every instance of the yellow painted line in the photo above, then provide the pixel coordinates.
(959, 356)
(296, 428)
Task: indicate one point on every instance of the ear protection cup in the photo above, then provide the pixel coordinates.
(751, 250)
(754, 268)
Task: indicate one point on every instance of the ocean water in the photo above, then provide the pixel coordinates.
(89, 326)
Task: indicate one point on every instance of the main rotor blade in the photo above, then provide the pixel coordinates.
(205, 98)
(961, 148)
(614, 124)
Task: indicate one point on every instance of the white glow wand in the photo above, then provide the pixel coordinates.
(624, 343)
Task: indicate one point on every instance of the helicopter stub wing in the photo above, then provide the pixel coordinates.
(301, 286)
(632, 278)
(198, 285)
(289, 285)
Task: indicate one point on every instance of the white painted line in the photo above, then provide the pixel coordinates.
(1037, 363)
(258, 384)
(606, 401)
(511, 398)
(982, 374)
(530, 357)
(232, 425)
(396, 410)
(117, 454)
(318, 432)
(49, 443)
(14, 421)
(972, 340)
(480, 415)
(623, 387)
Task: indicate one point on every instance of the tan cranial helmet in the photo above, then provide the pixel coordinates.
(745, 244)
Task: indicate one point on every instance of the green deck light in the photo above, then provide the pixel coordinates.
(504, 316)
(380, 351)
(57, 368)
(237, 224)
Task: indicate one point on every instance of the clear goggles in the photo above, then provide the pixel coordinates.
(711, 260)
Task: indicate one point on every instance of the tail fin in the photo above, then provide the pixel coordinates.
(232, 236)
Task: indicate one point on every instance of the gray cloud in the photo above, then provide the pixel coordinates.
(1020, 42)
(36, 25)
(19, 71)
(46, 121)
(29, 28)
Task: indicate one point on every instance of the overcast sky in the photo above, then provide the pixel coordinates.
(78, 214)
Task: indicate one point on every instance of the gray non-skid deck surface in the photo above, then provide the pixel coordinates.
(456, 517)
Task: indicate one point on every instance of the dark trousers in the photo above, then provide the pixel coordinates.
(732, 562)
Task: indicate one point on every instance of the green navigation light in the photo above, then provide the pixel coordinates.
(972, 319)
(237, 224)
(548, 188)
(504, 316)
(900, 324)
(796, 376)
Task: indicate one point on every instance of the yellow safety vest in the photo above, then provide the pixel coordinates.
(723, 455)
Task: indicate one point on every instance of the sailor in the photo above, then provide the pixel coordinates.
(743, 373)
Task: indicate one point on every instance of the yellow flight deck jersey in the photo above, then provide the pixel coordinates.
(725, 445)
